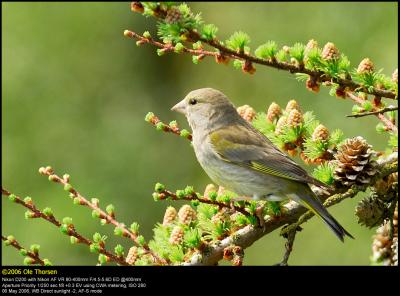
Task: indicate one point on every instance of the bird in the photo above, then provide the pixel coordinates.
(240, 158)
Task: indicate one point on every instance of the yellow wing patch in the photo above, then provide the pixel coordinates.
(270, 171)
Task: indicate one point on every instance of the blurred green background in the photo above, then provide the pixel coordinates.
(75, 93)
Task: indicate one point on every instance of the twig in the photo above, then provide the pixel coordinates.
(319, 75)
(381, 117)
(71, 231)
(110, 218)
(35, 256)
(169, 194)
(246, 236)
(384, 110)
(169, 128)
(290, 237)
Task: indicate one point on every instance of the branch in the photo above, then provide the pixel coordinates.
(381, 111)
(192, 36)
(381, 117)
(246, 236)
(164, 194)
(98, 212)
(33, 255)
(172, 127)
(67, 229)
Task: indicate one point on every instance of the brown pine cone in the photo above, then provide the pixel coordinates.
(176, 237)
(382, 252)
(370, 211)
(366, 66)
(384, 185)
(330, 52)
(246, 112)
(274, 111)
(186, 214)
(169, 216)
(354, 164)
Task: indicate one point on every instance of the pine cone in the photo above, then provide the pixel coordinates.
(384, 185)
(354, 164)
(186, 214)
(366, 66)
(395, 76)
(330, 52)
(370, 211)
(395, 251)
(274, 111)
(295, 118)
(169, 216)
(132, 255)
(247, 112)
(173, 16)
(176, 237)
(209, 188)
(292, 104)
(320, 133)
(280, 125)
(382, 246)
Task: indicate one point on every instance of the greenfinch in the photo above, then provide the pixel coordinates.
(238, 157)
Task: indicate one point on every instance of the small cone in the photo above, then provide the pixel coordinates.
(186, 215)
(330, 52)
(366, 66)
(274, 111)
(176, 237)
(169, 216)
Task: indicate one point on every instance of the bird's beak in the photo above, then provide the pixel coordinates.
(180, 107)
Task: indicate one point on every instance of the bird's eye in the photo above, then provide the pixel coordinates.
(192, 101)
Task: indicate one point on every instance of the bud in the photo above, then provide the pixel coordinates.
(247, 67)
(137, 7)
(312, 84)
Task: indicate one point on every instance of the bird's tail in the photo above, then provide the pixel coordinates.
(313, 204)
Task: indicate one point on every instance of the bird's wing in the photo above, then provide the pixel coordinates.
(246, 146)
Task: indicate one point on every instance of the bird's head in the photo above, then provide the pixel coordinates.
(205, 106)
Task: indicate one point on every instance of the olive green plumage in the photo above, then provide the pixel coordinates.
(238, 157)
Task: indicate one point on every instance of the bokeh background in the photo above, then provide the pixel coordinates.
(75, 93)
